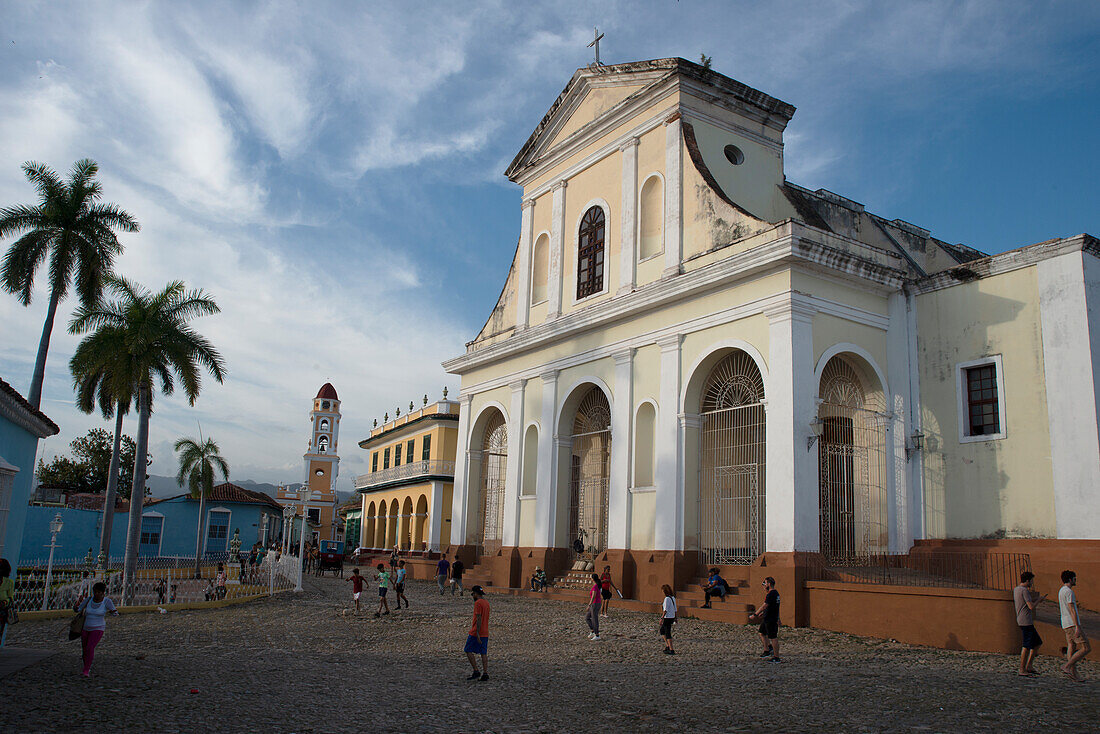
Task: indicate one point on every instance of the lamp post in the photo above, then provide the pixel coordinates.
(288, 526)
(55, 528)
(303, 495)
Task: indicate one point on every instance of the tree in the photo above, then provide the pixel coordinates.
(163, 348)
(63, 472)
(88, 469)
(198, 462)
(75, 231)
(704, 61)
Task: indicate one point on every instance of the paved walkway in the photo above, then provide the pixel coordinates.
(304, 664)
(13, 659)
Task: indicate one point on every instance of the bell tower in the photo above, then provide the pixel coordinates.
(322, 463)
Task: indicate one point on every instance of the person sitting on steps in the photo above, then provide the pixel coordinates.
(538, 580)
(715, 586)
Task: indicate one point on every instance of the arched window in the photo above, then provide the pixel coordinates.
(540, 268)
(651, 215)
(643, 445)
(322, 444)
(590, 242)
(324, 424)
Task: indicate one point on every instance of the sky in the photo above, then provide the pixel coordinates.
(332, 174)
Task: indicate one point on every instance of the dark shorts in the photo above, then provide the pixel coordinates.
(399, 588)
(770, 629)
(382, 591)
(666, 627)
(1031, 638)
(606, 594)
(477, 648)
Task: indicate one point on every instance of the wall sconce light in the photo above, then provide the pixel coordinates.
(913, 445)
(817, 427)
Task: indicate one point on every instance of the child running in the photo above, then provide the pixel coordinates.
(399, 585)
(606, 585)
(357, 584)
(668, 618)
(383, 587)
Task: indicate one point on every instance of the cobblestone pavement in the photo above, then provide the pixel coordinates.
(304, 664)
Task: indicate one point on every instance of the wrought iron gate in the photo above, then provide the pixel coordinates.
(590, 475)
(732, 450)
(494, 465)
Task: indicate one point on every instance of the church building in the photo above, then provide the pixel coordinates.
(696, 362)
(322, 467)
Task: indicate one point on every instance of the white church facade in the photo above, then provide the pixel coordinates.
(695, 362)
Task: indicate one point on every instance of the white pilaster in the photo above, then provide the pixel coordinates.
(628, 225)
(546, 481)
(462, 463)
(792, 486)
(674, 172)
(557, 245)
(523, 265)
(898, 425)
(618, 526)
(514, 468)
(668, 478)
(435, 516)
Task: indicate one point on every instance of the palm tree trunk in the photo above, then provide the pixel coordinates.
(137, 495)
(198, 533)
(39, 377)
(112, 487)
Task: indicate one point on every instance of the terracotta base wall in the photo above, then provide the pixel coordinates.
(1048, 559)
(652, 569)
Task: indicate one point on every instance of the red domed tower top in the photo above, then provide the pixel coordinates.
(327, 392)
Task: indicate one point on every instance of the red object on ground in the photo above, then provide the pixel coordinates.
(194, 690)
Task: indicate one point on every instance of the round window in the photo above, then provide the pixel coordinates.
(320, 472)
(734, 155)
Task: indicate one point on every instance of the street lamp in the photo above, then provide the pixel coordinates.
(303, 495)
(288, 526)
(55, 529)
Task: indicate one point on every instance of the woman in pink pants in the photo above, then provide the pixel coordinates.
(95, 609)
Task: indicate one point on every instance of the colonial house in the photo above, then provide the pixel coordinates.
(694, 361)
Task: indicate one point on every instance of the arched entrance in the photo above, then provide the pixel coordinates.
(732, 450)
(590, 471)
(494, 465)
(852, 463)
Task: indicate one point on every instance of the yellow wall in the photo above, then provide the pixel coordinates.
(642, 519)
(415, 494)
(595, 103)
(986, 487)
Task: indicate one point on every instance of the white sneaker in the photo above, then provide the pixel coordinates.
(591, 635)
(595, 638)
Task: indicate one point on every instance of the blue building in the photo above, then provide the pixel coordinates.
(168, 525)
(21, 426)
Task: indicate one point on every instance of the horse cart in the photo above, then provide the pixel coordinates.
(331, 558)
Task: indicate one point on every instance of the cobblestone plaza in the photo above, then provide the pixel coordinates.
(305, 663)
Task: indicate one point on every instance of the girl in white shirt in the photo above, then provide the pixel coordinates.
(95, 609)
(668, 618)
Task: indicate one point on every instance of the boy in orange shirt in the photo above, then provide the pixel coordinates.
(477, 641)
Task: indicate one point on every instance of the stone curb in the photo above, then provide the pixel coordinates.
(187, 606)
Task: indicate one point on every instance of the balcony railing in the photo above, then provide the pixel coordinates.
(406, 471)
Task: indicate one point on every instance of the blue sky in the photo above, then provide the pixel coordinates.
(332, 173)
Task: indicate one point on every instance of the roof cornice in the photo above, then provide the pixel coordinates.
(21, 414)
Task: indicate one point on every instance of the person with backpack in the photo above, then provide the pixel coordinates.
(668, 618)
(595, 601)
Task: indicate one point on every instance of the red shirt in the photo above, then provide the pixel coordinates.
(605, 580)
(480, 628)
(357, 584)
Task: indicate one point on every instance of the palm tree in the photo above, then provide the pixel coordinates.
(198, 462)
(102, 375)
(75, 231)
(160, 344)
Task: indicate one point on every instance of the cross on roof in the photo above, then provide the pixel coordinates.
(596, 44)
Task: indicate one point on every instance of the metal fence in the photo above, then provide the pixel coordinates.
(945, 570)
(158, 580)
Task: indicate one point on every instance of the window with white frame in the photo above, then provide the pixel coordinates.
(981, 399)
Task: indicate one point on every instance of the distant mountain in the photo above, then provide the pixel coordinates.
(161, 487)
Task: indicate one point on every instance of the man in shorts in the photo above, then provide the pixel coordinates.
(768, 615)
(399, 585)
(477, 641)
(357, 584)
(1077, 645)
(383, 587)
(457, 570)
(442, 570)
(1026, 600)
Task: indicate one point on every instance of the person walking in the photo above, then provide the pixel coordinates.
(383, 588)
(399, 585)
(668, 618)
(442, 571)
(606, 585)
(357, 584)
(219, 583)
(1077, 644)
(457, 569)
(595, 600)
(95, 609)
(1026, 600)
(768, 615)
(395, 554)
(7, 597)
(477, 641)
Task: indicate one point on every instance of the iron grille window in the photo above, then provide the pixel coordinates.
(397, 455)
(219, 526)
(409, 451)
(981, 400)
(590, 252)
(426, 452)
(386, 459)
(314, 515)
(374, 462)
